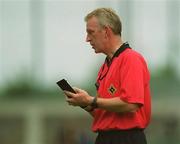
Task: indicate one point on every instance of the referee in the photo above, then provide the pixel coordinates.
(122, 106)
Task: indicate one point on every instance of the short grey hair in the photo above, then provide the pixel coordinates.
(106, 17)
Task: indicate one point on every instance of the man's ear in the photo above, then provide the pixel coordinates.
(108, 32)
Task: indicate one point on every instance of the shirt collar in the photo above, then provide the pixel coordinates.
(123, 47)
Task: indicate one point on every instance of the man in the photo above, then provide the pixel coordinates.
(122, 106)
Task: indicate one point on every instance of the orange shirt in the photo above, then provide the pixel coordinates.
(128, 78)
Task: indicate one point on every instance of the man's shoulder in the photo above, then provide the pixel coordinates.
(131, 53)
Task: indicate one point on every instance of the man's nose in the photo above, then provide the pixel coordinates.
(87, 39)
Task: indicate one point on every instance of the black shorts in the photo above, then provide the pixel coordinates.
(132, 136)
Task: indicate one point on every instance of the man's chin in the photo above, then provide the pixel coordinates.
(95, 50)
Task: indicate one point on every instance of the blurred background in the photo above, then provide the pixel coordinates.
(42, 41)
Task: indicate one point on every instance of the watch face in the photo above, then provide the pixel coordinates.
(94, 103)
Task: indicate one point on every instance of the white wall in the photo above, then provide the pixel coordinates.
(64, 50)
(15, 38)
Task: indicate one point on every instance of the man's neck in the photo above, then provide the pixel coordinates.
(114, 47)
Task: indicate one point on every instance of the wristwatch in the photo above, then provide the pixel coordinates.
(92, 106)
(94, 103)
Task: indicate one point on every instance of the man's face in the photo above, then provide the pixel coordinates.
(95, 35)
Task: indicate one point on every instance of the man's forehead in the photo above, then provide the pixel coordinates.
(92, 23)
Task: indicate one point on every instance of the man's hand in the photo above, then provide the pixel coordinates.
(81, 98)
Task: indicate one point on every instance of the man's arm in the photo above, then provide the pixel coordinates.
(116, 105)
(82, 98)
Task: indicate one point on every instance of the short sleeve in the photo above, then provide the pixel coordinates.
(132, 77)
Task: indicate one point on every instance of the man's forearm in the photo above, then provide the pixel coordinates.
(116, 105)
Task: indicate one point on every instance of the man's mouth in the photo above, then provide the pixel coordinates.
(92, 45)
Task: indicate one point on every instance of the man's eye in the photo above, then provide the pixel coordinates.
(90, 32)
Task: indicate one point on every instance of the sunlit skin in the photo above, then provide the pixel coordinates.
(95, 35)
(102, 40)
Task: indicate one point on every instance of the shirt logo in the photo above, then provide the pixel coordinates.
(112, 89)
